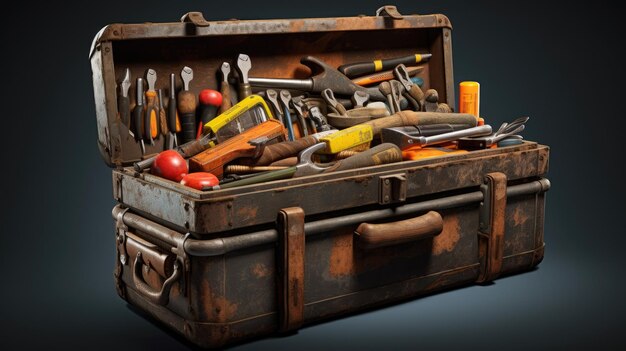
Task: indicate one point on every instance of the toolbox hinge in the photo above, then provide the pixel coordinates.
(389, 11)
(290, 268)
(491, 226)
(392, 188)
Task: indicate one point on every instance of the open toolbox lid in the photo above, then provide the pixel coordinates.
(274, 46)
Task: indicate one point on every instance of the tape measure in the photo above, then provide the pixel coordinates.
(347, 138)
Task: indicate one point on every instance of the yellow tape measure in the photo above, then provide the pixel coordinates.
(347, 138)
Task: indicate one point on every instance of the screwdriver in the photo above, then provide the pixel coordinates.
(173, 121)
(123, 101)
(162, 115)
(150, 126)
(356, 69)
(210, 101)
(138, 116)
(187, 107)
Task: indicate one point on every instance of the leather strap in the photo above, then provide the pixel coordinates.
(290, 267)
(491, 233)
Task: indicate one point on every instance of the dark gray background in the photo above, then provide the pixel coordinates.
(559, 63)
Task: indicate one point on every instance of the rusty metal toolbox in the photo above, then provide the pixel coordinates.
(233, 264)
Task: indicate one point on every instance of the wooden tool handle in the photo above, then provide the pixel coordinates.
(213, 159)
(163, 122)
(283, 150)
(187, 113)
(410, 118)
(378, 155)
(226, 103)
(378, 235)
(417, 94)
(245, 90)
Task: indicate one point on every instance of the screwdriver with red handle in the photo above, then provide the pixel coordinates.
(210, 101)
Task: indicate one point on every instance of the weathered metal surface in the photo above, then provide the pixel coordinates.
(492, 225)
(290, 268)
(220, 246)
(257, 27)
(260, 207)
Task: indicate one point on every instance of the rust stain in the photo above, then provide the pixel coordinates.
(296, 25)
(226, 310)
(247, 213)
(217, 308)
(341, 257)
(446, 241)
(519, 217)
(260, 270)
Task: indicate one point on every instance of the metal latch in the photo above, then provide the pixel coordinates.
(392, 188)
(196, 18)
(389, 11)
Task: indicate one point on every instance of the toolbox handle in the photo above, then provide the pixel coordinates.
(157, 297)
(372, 236)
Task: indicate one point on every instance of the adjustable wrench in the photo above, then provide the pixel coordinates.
(298, 105)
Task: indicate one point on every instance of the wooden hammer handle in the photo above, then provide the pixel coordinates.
(378, 155)
(410, 118)
(283, 150)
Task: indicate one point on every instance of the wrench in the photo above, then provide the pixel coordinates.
(298, 105)
(225, 88)
(359, 99)
(335, 105)
(324, 77)
(243, 67)
(285, 98)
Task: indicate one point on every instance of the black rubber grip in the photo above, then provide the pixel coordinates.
(123, 107)
(171, 115)
(353, 70)
(188, 126)
(138, 122)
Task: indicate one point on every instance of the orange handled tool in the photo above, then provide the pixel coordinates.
(249, 143)
(151, 114)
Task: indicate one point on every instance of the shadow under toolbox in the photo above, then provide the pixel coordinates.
(221, 266)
